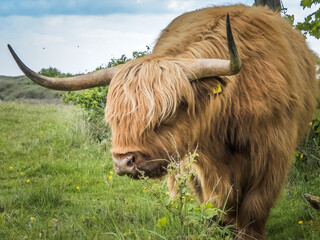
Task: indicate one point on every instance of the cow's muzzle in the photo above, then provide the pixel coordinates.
(138, 165)
(125, 165)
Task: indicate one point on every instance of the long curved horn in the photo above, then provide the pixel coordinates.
(202, 68)
(90, 80)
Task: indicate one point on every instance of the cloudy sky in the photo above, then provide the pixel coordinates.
(76, 36)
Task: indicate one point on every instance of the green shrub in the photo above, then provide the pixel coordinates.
(53, 72)
(307, 161)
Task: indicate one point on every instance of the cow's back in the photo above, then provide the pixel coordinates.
(277, 80)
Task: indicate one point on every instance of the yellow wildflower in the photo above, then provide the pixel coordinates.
(110, 177)
(11, 168)
(77, 187)
(145, 188)
(162, 222)
(21, 173)
(301, 155)
(167, 193)
(310, 123)
(300, 222)
(111, 172)
(28, 180)
(32, 218)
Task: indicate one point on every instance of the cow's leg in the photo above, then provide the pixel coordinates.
(252, 216)
(256, 205)
(197, 187)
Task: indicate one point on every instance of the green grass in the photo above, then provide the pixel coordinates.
(52, 148)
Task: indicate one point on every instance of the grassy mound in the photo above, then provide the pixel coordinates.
(15, 88)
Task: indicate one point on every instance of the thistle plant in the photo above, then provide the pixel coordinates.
(193, 219)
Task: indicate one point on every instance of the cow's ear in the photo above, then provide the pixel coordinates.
(213, 86)
(218, 86)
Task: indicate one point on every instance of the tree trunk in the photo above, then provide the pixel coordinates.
(274, 5)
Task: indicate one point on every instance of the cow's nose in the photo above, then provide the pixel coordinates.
(124, 165)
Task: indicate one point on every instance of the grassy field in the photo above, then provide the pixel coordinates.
(57, 183)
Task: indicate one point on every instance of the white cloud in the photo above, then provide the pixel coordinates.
(188, 5)
(99, 39)
(178, 5)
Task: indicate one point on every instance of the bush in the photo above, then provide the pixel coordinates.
(307, 161)
(53, 72)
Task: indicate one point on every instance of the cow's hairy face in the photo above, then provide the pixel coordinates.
(147, 107)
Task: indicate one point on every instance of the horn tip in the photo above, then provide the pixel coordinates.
(11, 49)
(228, 20)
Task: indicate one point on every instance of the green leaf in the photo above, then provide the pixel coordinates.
(290, 18)
(211, 212)
(209, 205)
(305, 3)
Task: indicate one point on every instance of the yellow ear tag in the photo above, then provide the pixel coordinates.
(217, 89)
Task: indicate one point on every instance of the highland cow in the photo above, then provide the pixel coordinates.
(246, 132)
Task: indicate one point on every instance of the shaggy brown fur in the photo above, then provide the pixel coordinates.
(246, 135)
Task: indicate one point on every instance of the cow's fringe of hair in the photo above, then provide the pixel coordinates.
(153, 86)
